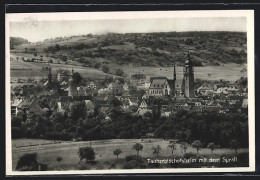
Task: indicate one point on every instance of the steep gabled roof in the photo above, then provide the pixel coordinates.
(16, 102)
(152, 78)
(88, 101)
(133, 99)
(27, 103)
(158, 83)
(146, 101)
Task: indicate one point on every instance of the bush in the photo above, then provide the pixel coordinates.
(153, 165)
(119, 72)
(86, 153)
(17, 133)
(113, 166)
(105, 69)
(190, 155)
(134, 162)
(28, 162)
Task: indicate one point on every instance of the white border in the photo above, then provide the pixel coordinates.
(249, 14)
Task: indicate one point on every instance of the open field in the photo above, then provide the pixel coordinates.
(33, 69)
(230, 72)
(103, 149)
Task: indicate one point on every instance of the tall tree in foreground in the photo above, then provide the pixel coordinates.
(197, 145)
(138, 147)
(172, 146)
(27, 162)
(59, 159)
(156, 150)
(86, 153)
(234, 144)
(183, 146)
(212, 147)
(117, 152)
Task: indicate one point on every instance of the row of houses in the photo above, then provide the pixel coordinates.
(167, 108)
(25, 105)
(143, 106)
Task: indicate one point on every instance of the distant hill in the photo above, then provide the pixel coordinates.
(14, 41)
(146, 49)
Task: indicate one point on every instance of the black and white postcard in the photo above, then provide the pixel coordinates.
(130, 92)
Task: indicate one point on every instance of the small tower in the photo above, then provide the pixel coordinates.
(72, 86)
(188, 78)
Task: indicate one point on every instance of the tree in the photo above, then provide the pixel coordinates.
(34, 125)
(156, 149)
(172, 146)
(117, 152)
(105, 69)
(16, 121)
(57, 47)
(184, 146)
(27, 162)
(212, 147)
(44, 103)
(134, 162)
(114, 102)
(148, 114)
(77, 78)
(119, 72)
(234, 144)
(59, 159)
(87, 153)
(197, 144)
(77, 110)
(138, 147)
(97, 65)
(156, 108)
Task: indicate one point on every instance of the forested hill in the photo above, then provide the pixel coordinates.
(14, 41)
(148, 49)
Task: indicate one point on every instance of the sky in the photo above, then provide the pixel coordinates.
(39, 30)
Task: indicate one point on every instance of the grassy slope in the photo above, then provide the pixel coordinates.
(140, 52)
(104, 151)
(206, 47)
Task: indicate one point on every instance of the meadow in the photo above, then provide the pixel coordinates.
(104, 152)
(230, 72)
(23, 69)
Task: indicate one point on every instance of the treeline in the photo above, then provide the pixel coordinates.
(14, 41)
(76, 122)
(162, 49)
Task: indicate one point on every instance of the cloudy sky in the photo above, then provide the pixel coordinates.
(40, 30)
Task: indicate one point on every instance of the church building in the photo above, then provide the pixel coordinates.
(162, 86)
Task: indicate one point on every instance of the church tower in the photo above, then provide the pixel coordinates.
(188, 78)
(173, 82)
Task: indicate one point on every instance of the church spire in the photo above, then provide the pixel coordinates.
(174, 73)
